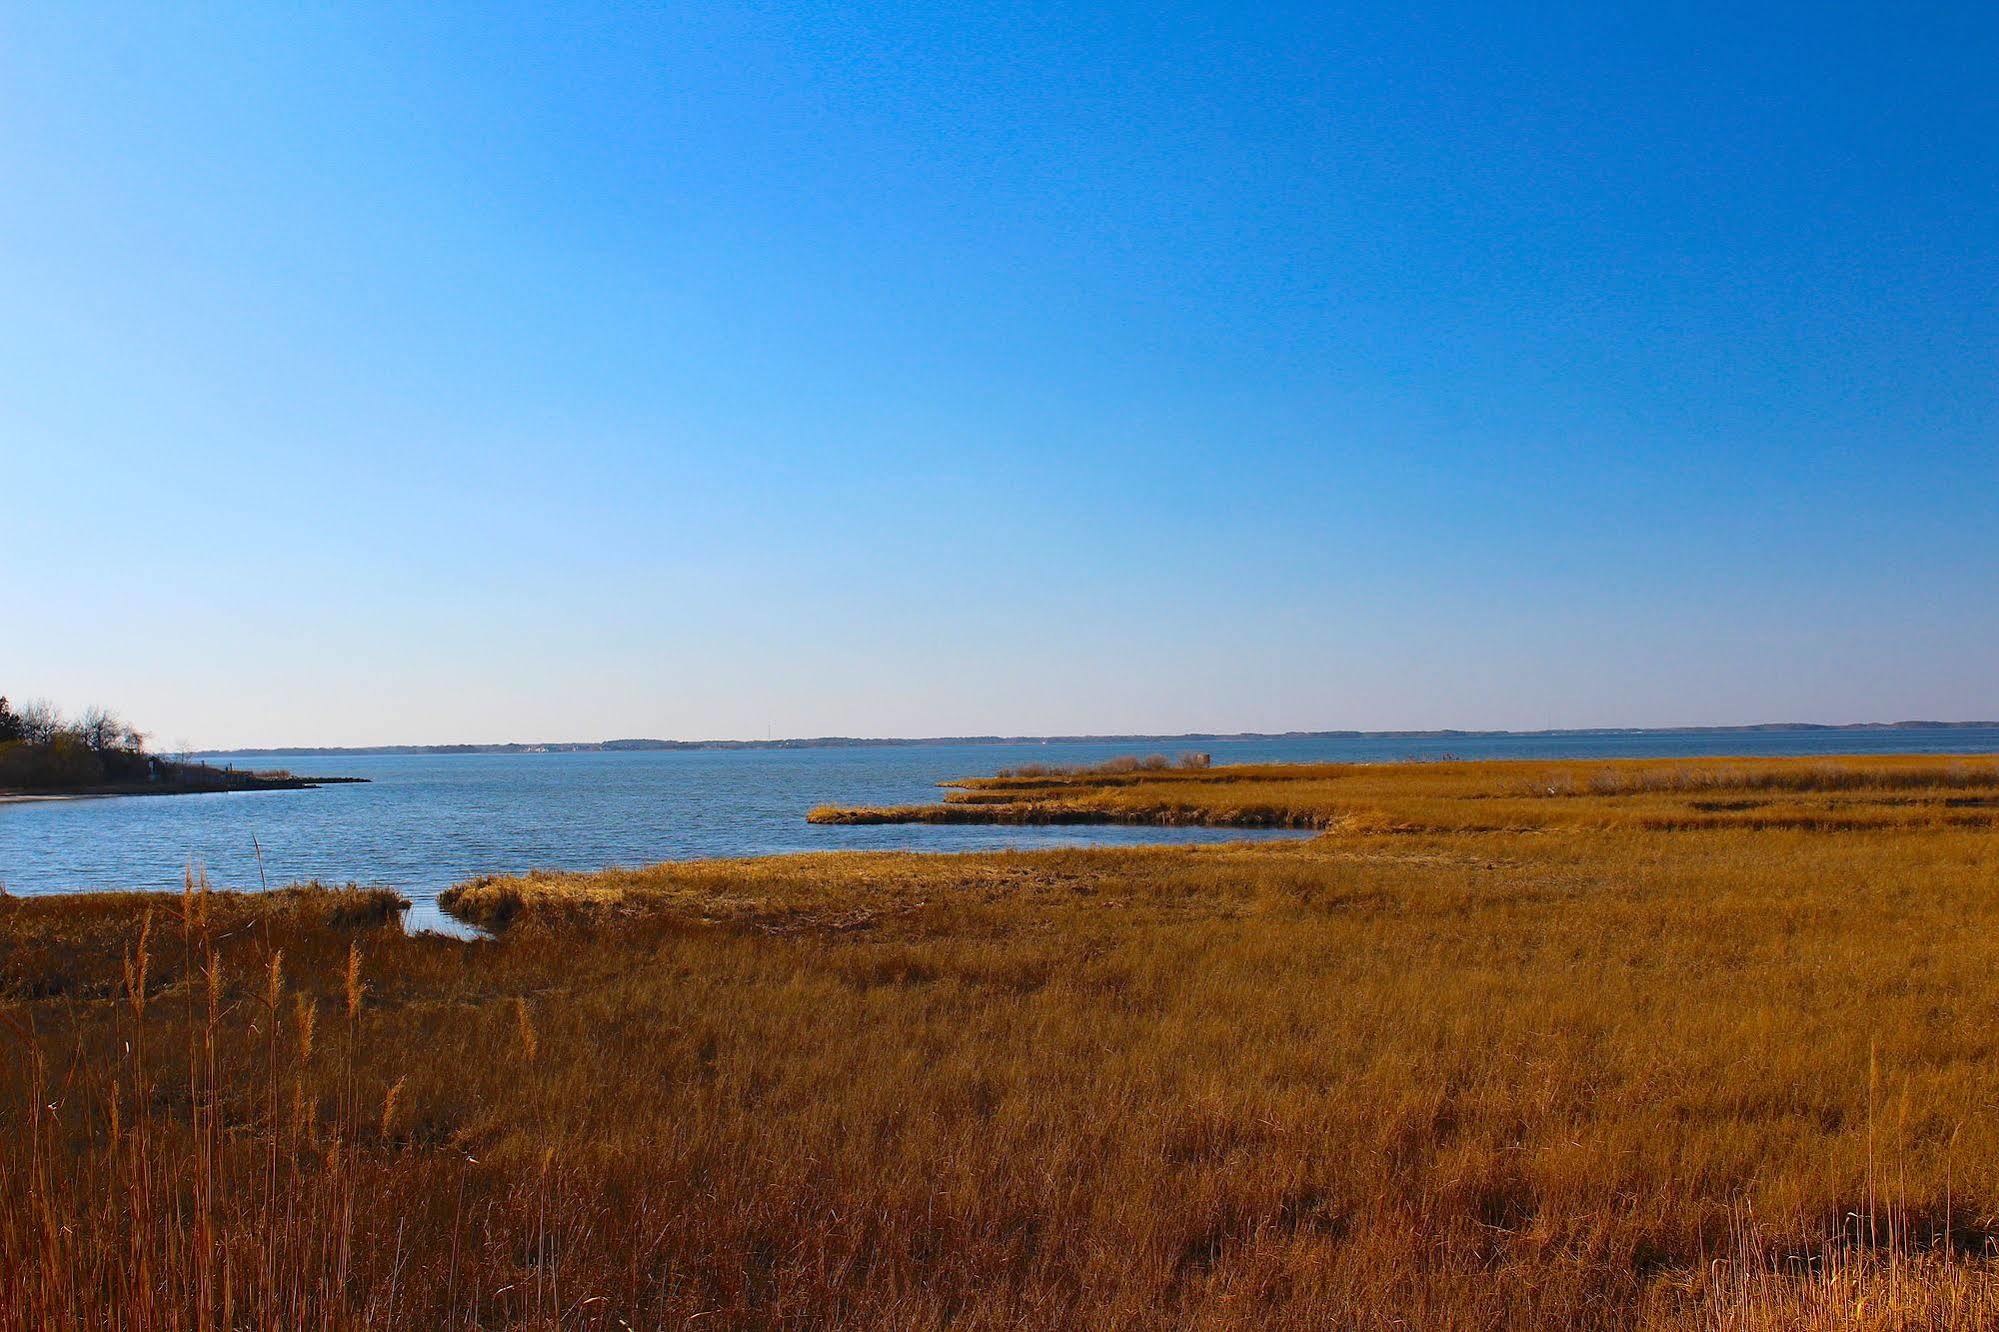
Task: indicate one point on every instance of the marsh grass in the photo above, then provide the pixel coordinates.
(1483, 1056)
(1665, 794)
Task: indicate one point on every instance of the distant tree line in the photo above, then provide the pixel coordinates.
(41, 749)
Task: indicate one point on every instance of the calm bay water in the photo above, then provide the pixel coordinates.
(425, 822)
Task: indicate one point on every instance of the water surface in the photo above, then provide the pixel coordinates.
(424, 822)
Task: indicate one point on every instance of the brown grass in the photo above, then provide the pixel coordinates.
(1872, 791)
(1525, 1046)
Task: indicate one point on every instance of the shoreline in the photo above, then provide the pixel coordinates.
(36, 797)
(1872, 793)
(239, 784)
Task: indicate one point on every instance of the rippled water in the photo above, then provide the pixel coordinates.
(425, 822)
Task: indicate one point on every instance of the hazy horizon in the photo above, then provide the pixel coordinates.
(1905, 722)
(378, 376)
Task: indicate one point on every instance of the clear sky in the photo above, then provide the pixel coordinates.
(370, 374)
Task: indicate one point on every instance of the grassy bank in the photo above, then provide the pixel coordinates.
(178, 779)
(1674, 1045)
(1875, 791)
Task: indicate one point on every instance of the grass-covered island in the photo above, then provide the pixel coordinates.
(1667, 1045)
(44, 755)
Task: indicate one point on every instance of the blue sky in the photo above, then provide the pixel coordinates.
(369, 375)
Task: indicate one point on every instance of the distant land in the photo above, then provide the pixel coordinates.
(1189, 738)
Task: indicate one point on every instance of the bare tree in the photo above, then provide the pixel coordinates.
(103, 730)
(39, 721)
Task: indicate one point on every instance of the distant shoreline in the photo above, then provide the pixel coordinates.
(1186, 738)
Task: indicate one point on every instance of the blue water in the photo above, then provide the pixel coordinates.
(425, 822)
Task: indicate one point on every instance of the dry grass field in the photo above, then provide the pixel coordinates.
(1639, 1045)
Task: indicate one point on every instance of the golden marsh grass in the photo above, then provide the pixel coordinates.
(1653, 1045)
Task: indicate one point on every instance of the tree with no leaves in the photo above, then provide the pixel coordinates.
(104, 730)
(38, 722)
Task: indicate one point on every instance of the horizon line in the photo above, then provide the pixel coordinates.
(1216, 737)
